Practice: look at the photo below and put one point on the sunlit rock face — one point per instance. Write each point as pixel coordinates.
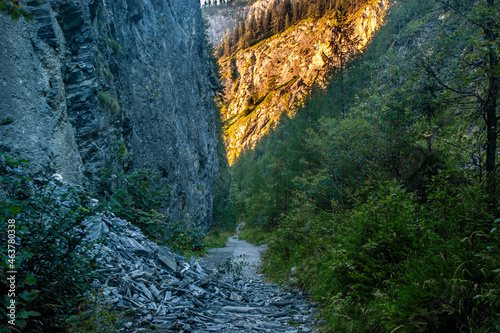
(269, 79)
(113, 84)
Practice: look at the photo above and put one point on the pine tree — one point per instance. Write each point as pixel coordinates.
(253, 30)
(275, 22)
(227, 44)
(249, 34)
(287, 21)
(266, 23)
(313, 10)
(236, 36)
(242, 42)
(295, 12)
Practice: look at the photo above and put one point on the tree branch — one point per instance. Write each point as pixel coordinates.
(446, 4)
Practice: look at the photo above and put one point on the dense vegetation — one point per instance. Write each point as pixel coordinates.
(277, 17)
(53, 271)
(381, 195)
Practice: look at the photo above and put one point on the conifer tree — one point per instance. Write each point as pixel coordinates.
(287, 21)
(236, 36)
(295, 12)
(227, 44)
(242, 42)
(312, 10)
(266, 23)
(275, 22)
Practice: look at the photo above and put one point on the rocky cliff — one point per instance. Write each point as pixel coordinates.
(273, 77)
(113, 84)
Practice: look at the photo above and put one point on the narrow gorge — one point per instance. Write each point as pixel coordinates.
(252, 166)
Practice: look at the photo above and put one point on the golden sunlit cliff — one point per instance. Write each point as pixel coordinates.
(264, 81)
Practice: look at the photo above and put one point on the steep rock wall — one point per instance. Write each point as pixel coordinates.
(113, 84)
(274, 76)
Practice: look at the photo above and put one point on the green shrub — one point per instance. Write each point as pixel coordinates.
(138, 197)
(392, 262)
(184, 238)
(114, 45)
(53, 270)
(108, 102)
(95, 315)
(15, 10)
(255, 235)
(217, 238)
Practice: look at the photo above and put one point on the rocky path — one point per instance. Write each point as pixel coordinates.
(237, 252)
(256, 306)
(173, 294)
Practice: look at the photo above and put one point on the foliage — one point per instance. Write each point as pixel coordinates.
(392, 262)
(389, 213)
(279, 16)
(114, 44)
(255, 236)
(107, 101)
(223, 216)
(95, 315)
(53, 270)
(217, 238)
(15, 9)
(184, 237)
(138, 197)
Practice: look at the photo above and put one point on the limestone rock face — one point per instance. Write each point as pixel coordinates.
(273, 77)
(113, 84)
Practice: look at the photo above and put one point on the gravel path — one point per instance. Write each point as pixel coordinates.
(239, 252)
(255, 306)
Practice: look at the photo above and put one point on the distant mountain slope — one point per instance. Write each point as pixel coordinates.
(273, 77)
(220, 18)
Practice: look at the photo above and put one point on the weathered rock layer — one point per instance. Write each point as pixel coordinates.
(113, 84)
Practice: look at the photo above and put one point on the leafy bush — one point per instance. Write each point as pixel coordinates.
(95, 315)
(15, 9)
(185, 238)
(53, 270)
(389, 214)
(138, 197)
(391, 262)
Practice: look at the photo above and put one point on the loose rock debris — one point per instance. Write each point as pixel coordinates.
(174, 294)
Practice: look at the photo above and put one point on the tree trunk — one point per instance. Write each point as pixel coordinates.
(490, 104)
